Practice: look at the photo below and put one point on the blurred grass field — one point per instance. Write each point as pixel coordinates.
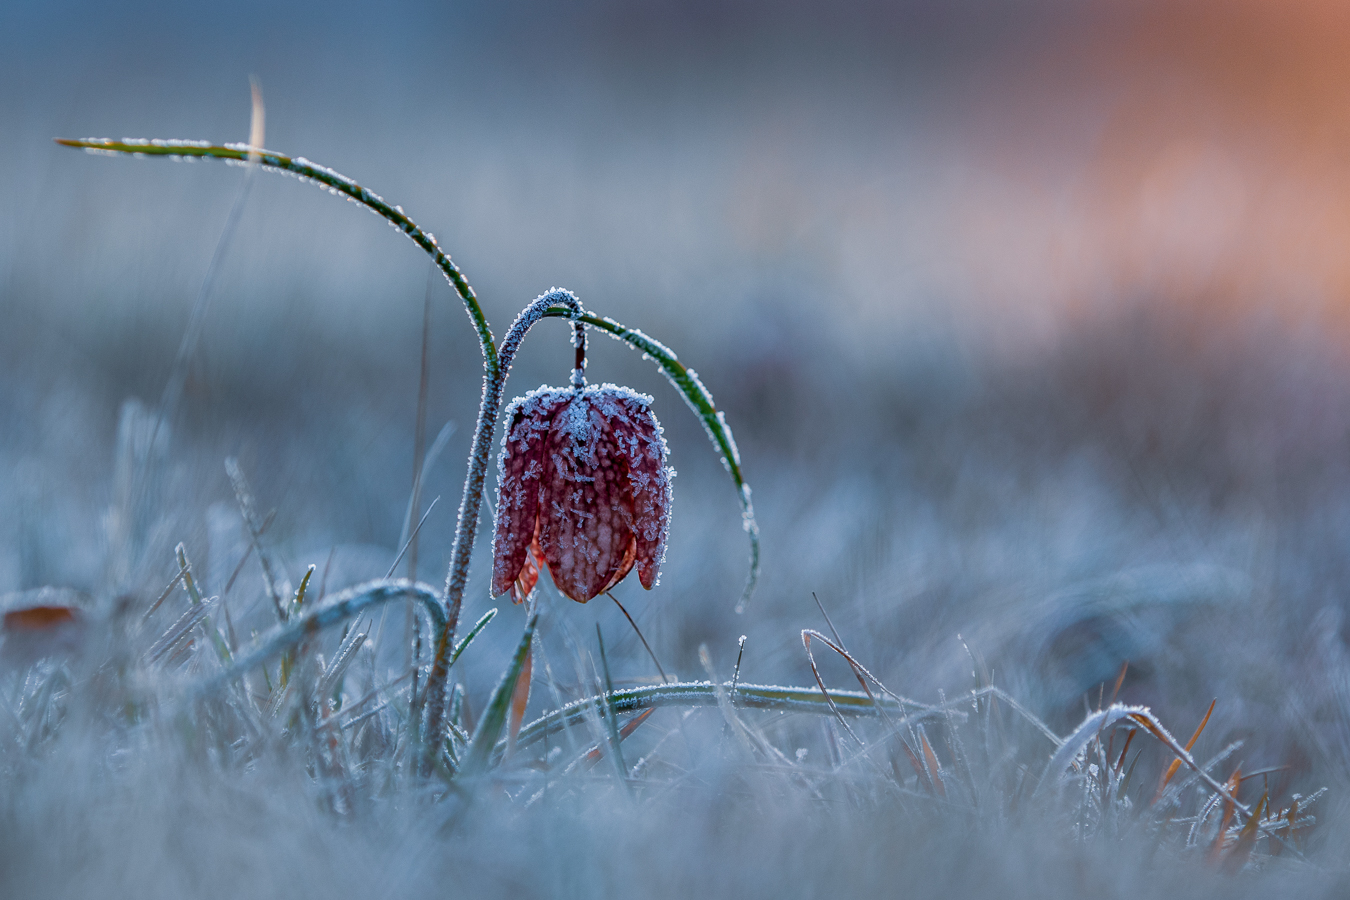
(1029, 320)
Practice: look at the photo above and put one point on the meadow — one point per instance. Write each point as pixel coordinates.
(1046, 481)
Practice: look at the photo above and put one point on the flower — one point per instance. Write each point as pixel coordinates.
(583, 489)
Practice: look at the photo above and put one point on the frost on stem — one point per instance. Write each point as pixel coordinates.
(583, 489)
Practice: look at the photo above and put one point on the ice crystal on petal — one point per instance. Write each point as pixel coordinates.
(583, 489)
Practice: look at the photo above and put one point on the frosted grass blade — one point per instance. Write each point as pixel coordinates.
(489, 728)
(305, 170)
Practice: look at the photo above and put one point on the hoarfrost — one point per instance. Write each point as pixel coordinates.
(594, 524)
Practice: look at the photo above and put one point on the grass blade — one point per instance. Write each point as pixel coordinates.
(1234, 781)
(308, 171)
(478, 626)
(1093, 725)
(177, 633)
(337, 608)
(593, 755)
(638, 632)
(479, 754)
(519, 700)
(248, 508)
(611, 720)
(1242, 850)
(1176, 763)
(931, 764)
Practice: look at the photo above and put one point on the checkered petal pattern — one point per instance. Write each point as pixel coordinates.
(583, 491)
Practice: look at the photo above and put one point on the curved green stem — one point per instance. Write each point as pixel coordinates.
(337, 608)
(471, 503)
(305, 170)
(855, 704)
(686, 381)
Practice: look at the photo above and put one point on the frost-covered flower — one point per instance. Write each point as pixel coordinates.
(583, 489)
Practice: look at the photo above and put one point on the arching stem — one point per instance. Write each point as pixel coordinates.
(494, 381)
(323, 176)
(686, 381)
(337, 608)
(579, 368)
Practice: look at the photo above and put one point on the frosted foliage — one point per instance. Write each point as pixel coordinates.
(583, 488)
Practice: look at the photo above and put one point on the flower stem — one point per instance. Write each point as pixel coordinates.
(686, 381)
(323, 176)
(471, 504)
(579, 368)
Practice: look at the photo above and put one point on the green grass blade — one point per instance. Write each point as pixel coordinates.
(305, 170)
(490, 726)
(686, 381)
(473, 633)
(854, 704)
(337, 608)
(611, 721)
(195, 595)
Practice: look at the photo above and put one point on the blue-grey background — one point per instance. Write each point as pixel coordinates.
(1028, 317)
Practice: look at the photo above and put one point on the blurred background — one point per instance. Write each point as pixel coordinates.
(1030, 320)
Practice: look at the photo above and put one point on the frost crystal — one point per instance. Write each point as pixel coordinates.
(583, 489)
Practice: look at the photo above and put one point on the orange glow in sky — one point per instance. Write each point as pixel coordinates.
(1218, 171)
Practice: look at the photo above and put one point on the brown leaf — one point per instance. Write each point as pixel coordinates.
(35, 632)
(1176, 763)
(1234, 782)
(520, 698)
(40, 618)
(934, 769)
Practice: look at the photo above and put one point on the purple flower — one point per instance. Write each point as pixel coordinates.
(583, 489)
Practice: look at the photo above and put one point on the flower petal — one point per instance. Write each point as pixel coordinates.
(625, 565)
(529, 572)
(649, 483)
(519, 470)
(585, 515)
(584, 490)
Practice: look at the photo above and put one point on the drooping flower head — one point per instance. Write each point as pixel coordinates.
(583, 489)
